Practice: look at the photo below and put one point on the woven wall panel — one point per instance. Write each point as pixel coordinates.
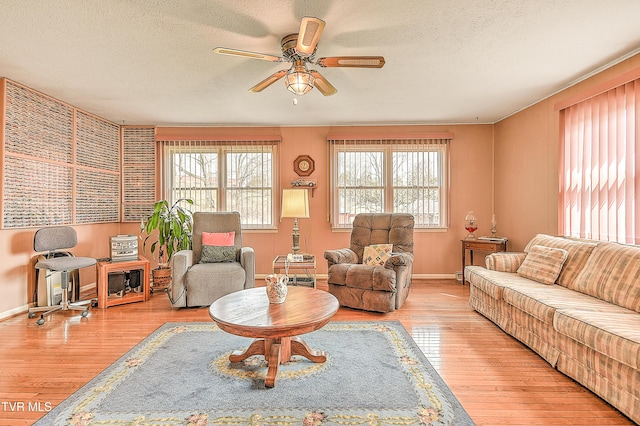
(37, 126)
(41, 163)
(98, 143)
(36, 193)
(97, 197)
(138, 173)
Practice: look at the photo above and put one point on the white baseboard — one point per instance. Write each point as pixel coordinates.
(24, 308)
(15, 311)
(414, 276)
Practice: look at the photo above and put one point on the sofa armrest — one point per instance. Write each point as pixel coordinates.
(181, 261)
(399, 259)
(344, 255)
(504, 261)
(248, 262)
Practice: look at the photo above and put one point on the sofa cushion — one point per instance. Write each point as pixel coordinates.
(612, 273)
(577, 253)
(541, 301)
(363, 277)
(610, 330)
(492, 282)
(218, 238)
(217, 254)
(543, 264)
(376, 254)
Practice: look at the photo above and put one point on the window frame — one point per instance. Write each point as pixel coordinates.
(388, 147)
(222, 149)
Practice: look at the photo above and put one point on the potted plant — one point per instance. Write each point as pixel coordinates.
(168, 229)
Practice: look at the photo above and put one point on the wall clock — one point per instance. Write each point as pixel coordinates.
(304, 165)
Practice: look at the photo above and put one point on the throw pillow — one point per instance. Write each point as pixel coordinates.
(376, 254)
(218, 238)
(543, 264)
(217, 254)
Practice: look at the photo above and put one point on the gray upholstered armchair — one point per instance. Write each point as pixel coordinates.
(200, 276)
(383, 287)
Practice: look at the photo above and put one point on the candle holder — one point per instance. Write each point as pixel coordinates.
(470, 225)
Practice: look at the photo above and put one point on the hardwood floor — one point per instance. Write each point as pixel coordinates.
(497, 379)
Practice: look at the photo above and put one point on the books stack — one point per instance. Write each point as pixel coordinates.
(493, 239)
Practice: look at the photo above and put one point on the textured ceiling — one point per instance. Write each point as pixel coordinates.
(447, 61)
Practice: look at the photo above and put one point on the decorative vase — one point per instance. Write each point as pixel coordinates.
(277, 287)
(470, 225)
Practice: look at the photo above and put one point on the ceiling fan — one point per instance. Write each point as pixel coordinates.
(300, 50)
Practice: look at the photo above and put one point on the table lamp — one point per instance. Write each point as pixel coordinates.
(295, 204)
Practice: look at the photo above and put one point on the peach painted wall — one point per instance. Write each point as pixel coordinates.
(526, 162)
(18, 257)
(437, 253)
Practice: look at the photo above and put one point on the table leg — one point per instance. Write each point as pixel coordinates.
(274, 361)
(300, 347)
(278, 351)
(464, 252)
(256, 348)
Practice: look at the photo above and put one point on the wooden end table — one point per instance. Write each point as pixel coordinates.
(490, 246)
(307, 268)
(275, 327)
(106, 266)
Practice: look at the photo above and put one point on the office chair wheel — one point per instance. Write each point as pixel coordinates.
(32, 315)
(85, 313)
(40, 321)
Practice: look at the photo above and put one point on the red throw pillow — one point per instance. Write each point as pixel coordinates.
(224, 239)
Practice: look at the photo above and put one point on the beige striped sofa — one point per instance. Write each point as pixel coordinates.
(585, 323)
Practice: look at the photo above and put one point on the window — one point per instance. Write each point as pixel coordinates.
(399, 176)
(224, 176)
(600, 165)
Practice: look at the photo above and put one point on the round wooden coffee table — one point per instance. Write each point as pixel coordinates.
(276, 327)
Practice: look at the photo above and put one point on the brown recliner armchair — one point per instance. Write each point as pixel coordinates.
(380, 288)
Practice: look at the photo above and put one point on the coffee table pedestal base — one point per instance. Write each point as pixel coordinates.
(278, 351)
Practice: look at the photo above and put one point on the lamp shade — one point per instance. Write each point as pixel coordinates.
(298, 79)
(295, 203)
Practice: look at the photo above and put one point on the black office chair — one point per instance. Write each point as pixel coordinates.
(50, 240)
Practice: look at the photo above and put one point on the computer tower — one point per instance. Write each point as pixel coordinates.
(49, 286)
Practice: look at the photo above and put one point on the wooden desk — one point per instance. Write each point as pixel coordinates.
(480, 245)
(106, 266)
(276, 327)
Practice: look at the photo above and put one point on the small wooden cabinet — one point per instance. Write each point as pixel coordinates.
(490, 246)
(106, 266)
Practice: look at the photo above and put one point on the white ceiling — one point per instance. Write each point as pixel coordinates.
(447, 61)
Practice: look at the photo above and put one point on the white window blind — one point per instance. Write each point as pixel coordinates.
(600, 166)
(389, 175)
(224, 176)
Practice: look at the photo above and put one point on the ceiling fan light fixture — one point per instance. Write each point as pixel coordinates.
(299, 80)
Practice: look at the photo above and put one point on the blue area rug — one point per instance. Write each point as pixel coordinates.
(180, 375)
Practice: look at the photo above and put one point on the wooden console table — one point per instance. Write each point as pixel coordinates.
(490, 246)
(106, 266)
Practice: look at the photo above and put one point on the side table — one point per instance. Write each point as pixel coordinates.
(107, 266)
(306, 270)
(489, 245)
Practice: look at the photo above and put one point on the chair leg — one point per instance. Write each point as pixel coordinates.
(64, 305)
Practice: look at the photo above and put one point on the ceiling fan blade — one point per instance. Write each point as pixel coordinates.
(310, 31)
(322, 84)
(268, 81)
(245, 54)
(352, 61)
